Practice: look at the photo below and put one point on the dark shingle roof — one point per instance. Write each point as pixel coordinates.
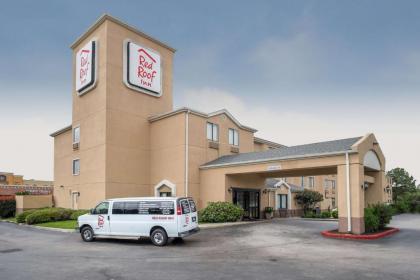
(321, 148)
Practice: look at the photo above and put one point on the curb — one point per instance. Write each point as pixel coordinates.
(388, 232)
(221, 225)
(320, 219)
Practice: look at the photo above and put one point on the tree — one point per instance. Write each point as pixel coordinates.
(308, 199)
(402, 182)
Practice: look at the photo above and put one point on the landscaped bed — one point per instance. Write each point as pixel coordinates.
(376, 219)
(364, 236)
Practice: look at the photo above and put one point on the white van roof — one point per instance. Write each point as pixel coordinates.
(146, 198)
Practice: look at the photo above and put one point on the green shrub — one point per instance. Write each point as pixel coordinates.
(309, 214)
(326, 215)
(7, 208)
(220, 212)
(384, 213)
(48, 215)
(407, 203)
(334, 214)
(77, 213)
(371, 220)
(377, 217)
(23, 193)
(268, 210)
(21, 218)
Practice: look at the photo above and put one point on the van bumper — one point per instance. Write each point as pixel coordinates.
(187, 233)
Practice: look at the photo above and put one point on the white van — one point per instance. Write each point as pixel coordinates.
(159, 218)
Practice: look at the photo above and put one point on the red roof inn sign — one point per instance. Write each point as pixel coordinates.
(142, 69)
(86, 67)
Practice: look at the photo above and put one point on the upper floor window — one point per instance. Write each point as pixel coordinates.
(76, 166)
(311, 182)
(302, 181)
(233, 137)
(212, 132)
(76, 134)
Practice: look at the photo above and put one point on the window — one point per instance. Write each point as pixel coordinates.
(76, 167)
(233, 137)
(185, 206)
(302, 181)
(282, 201)
(76, 134)
(333, 184)
(333, 202)
(131, 208)
(156, 208)
(212, 132)
(311, 182)
(102, 208)
(192, 205)
(143, 208)
(165, 194)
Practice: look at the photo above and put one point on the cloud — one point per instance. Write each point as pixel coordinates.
(287, 124)
(291, 59)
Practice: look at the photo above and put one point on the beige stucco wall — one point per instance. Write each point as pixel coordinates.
(25, 202)
(127, 127)
(168, 152)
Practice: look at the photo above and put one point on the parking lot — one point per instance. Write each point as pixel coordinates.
(279, 249)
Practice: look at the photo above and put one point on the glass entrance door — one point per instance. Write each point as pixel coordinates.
(249, 200)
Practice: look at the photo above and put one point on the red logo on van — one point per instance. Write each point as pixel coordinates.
(146, 70)
(101, 221)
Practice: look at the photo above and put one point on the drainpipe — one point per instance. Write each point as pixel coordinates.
(186, 151)
(348, 192)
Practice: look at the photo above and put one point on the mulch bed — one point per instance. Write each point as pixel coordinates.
(364, 236)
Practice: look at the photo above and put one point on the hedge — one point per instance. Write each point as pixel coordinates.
(220, 212)
(377, 217)
(7, 208)
(49, 215)
(21, 218)
(77, 213)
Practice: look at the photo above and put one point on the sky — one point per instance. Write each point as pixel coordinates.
(298, 71)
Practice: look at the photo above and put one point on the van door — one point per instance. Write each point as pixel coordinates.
(184, 215)
(194, 215)
(100, 219)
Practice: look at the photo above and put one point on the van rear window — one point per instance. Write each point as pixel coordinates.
(185, 206)
(192, 205)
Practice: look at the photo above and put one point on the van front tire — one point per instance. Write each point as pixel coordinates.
(87, 234)
(159, 237)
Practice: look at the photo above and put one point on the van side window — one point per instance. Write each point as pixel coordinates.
(102, 208)
(185, 206)
(157, 208)
(131, 208)
(118, 208)
(192, 205)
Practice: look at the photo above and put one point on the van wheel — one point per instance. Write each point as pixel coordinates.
(159, 237)
(87, 234)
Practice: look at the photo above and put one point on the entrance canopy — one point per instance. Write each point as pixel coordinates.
(345, 157)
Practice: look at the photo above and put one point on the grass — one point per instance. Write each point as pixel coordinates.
(69, 224)
(11, 219)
